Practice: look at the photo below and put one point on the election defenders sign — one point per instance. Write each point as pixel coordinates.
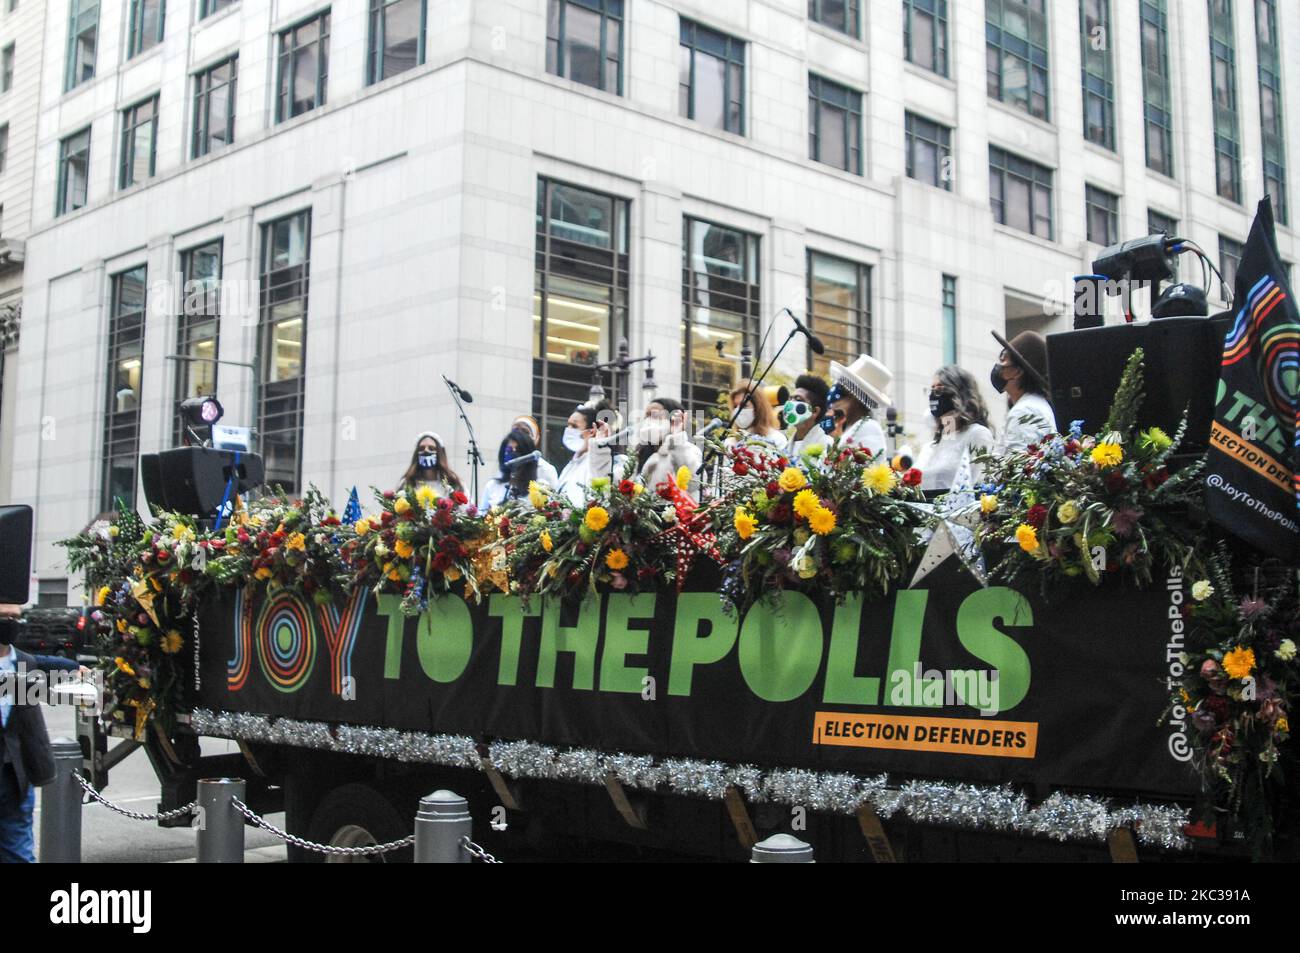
(950, 681)
(1251, 473)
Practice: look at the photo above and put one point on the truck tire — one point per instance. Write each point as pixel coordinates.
(356, 815)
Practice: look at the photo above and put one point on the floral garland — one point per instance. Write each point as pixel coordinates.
(1098, 506)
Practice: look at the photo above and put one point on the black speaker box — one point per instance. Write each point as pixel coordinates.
(15, 554)
(193, 479)
(1182, 358)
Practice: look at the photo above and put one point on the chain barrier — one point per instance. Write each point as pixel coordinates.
(305, 844)
(477, 852)
(134, 815)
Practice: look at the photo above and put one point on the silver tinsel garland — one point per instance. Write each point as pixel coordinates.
(1062, 817)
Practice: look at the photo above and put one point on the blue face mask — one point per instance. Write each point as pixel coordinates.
(508, 454)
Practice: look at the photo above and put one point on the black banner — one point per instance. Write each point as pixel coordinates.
(949, 681)
(1251, 472)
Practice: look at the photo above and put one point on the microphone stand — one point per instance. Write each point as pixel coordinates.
(475, 458)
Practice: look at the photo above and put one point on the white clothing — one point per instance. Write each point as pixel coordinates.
(1029, 420)
(813, 438)
(497, 490)
(938, 462)
(575, 479)
(674, 453)
(866, 435)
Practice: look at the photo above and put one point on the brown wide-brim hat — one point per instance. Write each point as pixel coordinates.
(1029, 350)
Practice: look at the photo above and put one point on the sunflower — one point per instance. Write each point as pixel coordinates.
(988, 503)
(821, 520)
(172, 642)
(791, 479)
(425, 495)
(616, 559)
(879, 478)
(597, 518)
(805, 501)
(1107, 454)
(1027, 537)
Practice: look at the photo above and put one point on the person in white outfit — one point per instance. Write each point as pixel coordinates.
(662, 446)
(857, 392)
(1021, 374)
(961, 427)
(511, 482)
(809, 396)
(588, 435)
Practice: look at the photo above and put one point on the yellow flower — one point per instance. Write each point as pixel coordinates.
(123, 665)
(263, 573)
(121, 625)
(791, 479)
(1067, 512)
(821, 520)
(683, 477)
(102, 595)
(1282, 725)
(546, 542)
(879, 478)
(637, 489)
(1027, 537)
(172, 642)
(1239, 662)
(404, 549)
(988, 503)
(536, 494)
(361, 527)
(425, 495)
(1107, 454)
(744, 523)
(805, 501)
(597, 518)
(181, 531)
(616, 559)
(452, 574)
(297, 541)
(395, 576)
(402, 505)
(156, 583)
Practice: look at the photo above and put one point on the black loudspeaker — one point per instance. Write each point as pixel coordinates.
(151, 478)
(193, 479)
(15, 554)
(1182, 362)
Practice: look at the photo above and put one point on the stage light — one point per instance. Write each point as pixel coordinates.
(201, 411)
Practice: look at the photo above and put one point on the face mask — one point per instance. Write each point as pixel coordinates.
(428, 461)
(827, 424)
(941, 404)
(745, 419)
(653, 430)
(508, 454)
(795, 412)
(999, 384)
(573, 439)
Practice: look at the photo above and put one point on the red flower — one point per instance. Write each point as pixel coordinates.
(739, 468)
(1036, 516)
(627, 487)
(503, 526)
(665, 491)
(782, 462)
(1032, 448)
(242, 535)
(442, 562)
(780, 513)
(386, 517)
(389, 494)
(912, 477)
(443, 519)
(1115, 481)
(330, 521)
(163, 555)
(460, 498)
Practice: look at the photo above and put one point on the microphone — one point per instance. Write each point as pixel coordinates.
(711, 426)
(526, 458)
(814, 341)
(465, 395)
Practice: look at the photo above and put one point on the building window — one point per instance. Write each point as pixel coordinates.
(214, 108)
(122, 414)
(580, 298)
(1098, 73)
(839, 15)
(584, 42)
(139, 143)
(925, 34)
(7, 68)
(1021, 193)
(834, 124)
(1157, 97)
(1272, 135)
(720, 302)
(304, 66)
(1016, 53)
(209, 7)
(949, 319)
(1158, 223)
(839, 309)
(711, 78)
(1230, 253)
(4, 146)
(11, 6)
(1103, 216)
(929, 152)
(396, 37)
(282, 336)
(74, 167)
(83, 37)
(198, 326)
(51, 593)
(146, 26)
(1227, 140)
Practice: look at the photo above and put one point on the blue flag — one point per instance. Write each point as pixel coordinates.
(352, 512)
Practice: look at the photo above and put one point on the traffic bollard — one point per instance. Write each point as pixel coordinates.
(781, 849)
(441, 824)
(221, 827)
(61, 806)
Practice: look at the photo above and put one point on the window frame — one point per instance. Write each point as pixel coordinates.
(863, 324)
(942, 146)
(1035, 56)
(1226, 252)
(1272, 141)
(128, 141)
(937, 11)
(209, 8)
(136, 40)
(1226, 146)
(201, 100)
(1005, 163)
(116, 421)
(852, 109)
(188, 321)
(66, 157)
(853, 11)
(78, 10)
(286, 55)
(603, 9)
(375, 49)
(731, 45)
(1157, 82)
(948, 315)
(1108, 203)
(8, 65)
(1100, 87)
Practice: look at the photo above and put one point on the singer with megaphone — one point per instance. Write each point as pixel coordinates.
(520, 463)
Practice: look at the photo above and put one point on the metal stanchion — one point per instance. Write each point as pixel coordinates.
(781, 849)
(61, 806)
(441, 825)
(221, 826)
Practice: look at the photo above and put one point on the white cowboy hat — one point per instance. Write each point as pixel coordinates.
(866, 379)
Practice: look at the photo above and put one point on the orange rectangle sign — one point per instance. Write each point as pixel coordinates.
(979, 736)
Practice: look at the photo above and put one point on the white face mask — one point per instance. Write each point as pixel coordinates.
(653, 430)
(745, 419)
(573, 439)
